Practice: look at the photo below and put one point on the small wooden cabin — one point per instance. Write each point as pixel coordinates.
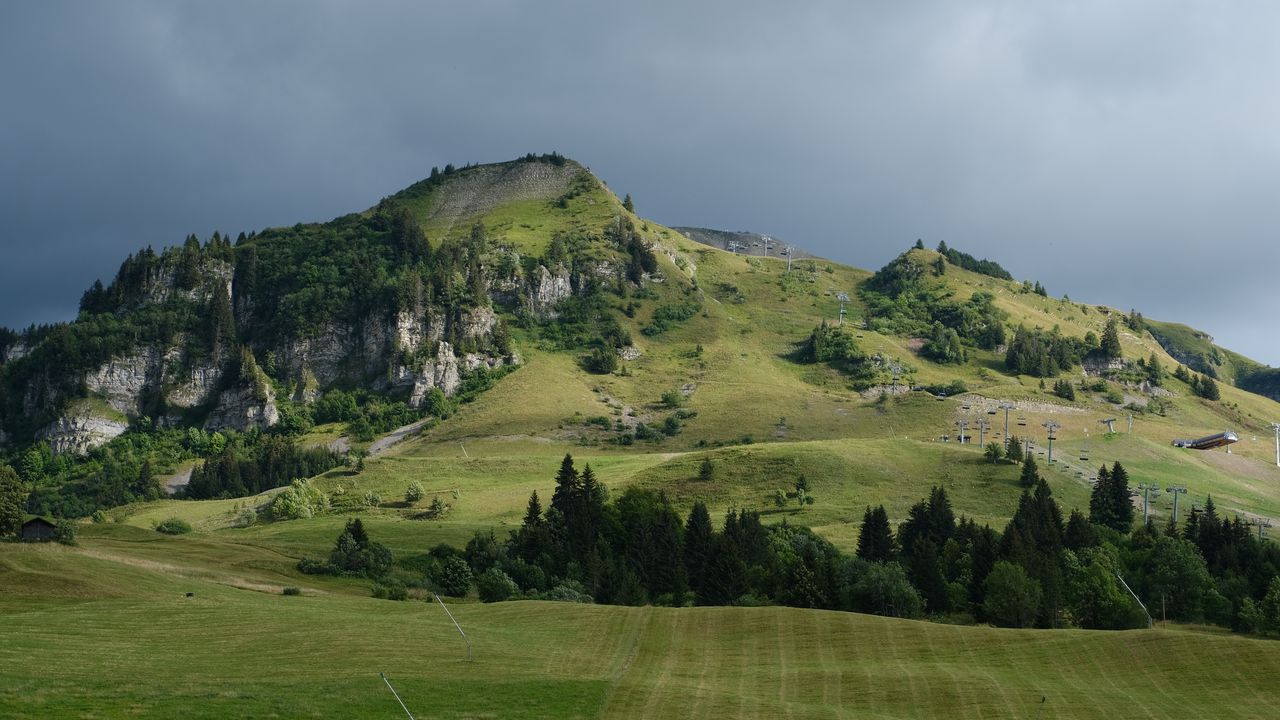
(37, 529)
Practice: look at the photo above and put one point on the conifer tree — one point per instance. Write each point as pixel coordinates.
(1030, 472)
(697, 546)
(1013, 448)
(12, 496)
(875, 538)
(1110, 344)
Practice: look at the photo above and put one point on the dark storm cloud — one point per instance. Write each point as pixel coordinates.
(1122, 152)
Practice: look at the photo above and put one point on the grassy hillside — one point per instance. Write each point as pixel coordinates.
(115, 635)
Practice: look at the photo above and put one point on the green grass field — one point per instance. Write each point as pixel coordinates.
(116, 637)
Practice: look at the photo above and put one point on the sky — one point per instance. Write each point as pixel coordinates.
(1126, 154)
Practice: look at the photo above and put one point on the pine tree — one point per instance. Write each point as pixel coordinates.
(1030, 472)
(1100, 510)
(1080, 533)
(875, 538)
(627, 204)
(925, 571)
(706, 471)
(697, 546)
(1110, 344)
(1123, 507)
(566, 493)
(1013, 448)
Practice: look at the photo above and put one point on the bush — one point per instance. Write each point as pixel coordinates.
(311, 566)
(568, 591)
(65, 532)
(414, 492)
(493, 585)
(372, 499)
(301, 500)
(452, 577)
(173, 526)
(291, 590)
(390, 589)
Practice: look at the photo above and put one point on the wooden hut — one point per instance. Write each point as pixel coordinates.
(38, 530)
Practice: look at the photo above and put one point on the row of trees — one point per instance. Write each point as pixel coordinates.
(251, 464)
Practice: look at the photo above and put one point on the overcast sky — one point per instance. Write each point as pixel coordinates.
(1124, 153)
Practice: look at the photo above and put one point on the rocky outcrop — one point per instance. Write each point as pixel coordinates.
(1101, 366)
(546, 290)
(475, 191)
(443, 371)
(79, 432)
(245, 406)
(196, 386)
(124, 381)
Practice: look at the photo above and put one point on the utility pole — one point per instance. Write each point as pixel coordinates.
(1176, 490)
(1276, 426)
(1052, 427)
(1007, 406)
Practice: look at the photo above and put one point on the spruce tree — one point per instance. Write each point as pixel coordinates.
(1030, 472)
(1013, 448)
(1110, 345)
(1080, 533)
(875, 538)
(1122, 506)
(697, 546)
(1100, 510)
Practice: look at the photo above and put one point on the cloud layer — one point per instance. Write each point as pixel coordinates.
(1124, 153)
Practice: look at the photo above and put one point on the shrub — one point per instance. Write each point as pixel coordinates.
(414, 492)
(291, 590)
(372, 499)
(173, 526)
(390, 589)
(452, 577)
(65, 532)
(493, 585)
(301, 500)
(672, 399)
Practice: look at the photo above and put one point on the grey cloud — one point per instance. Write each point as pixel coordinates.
(1123, 153)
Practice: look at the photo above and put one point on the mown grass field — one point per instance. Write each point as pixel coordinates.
(90, 634)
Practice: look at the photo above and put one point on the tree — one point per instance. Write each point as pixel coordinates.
(12, 496)
(627, 204)
(453, 577)
(883, 589)
(1109, 347)
(875, 538)
(493, 585)
(1094, 597)
(993, 452)
(1012, 598)
(1206, 388)
(919, 244)
(1030, 472)
(1109, 503)
(1064, 389)
(1013, 448)
(697, 545)
(1080, 534)
(706, 471)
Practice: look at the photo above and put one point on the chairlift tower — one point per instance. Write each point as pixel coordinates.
(1052, 426)
(983, 424)
(843, 297)
(790, 252)
(1147, 489)
(1263, 524)
(964, 428)
(1111, 425)
(1007, 406)
(895, 369)
(1130, 423)
(1176, 490)
(1276, 426)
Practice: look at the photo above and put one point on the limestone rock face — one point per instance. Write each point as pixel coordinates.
(546, 290)
(123, 381)
(80, 432)
(195, 387)
(244, 407)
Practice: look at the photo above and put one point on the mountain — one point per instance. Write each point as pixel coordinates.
(523, 300)
(500, 383)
